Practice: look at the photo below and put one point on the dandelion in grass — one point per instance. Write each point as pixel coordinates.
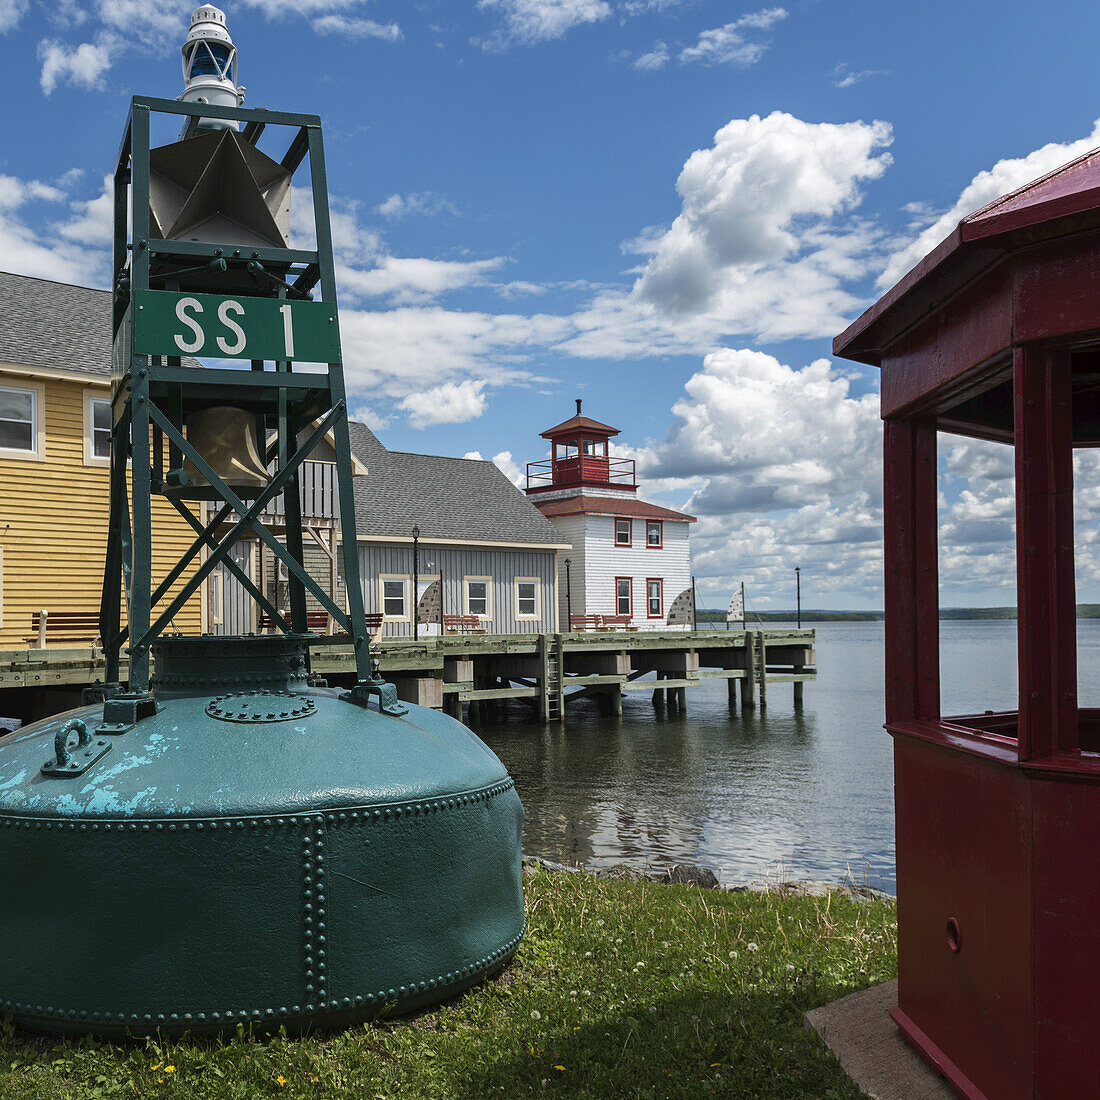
(752, 947)
(535, 1014)
(561, 1068)
(280, 1080)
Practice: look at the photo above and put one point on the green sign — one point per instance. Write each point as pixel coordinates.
(219, 326)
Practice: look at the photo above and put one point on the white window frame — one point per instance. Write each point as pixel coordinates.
(629, 532)
(660, 543)
(525, 616)
(488, 615)
(37, 453)
(406, 580)
(216, 597)
(660, 583)
(629, 596)
(91, 395)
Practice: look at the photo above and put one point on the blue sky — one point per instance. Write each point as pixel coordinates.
(665, 207)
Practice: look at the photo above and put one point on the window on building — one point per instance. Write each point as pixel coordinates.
(101, 428)
(527, 598)
(595, 448)
(479, 599)
(624, 596)
(567, 450)
(654, 535)
(394, 596)
(215, 589)
(655, 603)
(97, 428)
(18, 419)
(622, 532)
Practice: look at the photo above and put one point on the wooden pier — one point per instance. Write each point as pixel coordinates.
(549, 671)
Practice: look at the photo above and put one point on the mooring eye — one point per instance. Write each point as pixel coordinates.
(954, 936)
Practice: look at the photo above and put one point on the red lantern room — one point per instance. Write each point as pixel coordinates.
(579, 458)
(995, 334)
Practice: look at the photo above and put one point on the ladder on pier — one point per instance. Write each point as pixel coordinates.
(760, 665)
(553, 685)
(551, 671)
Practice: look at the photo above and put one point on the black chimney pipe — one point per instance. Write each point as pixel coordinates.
(578, 400)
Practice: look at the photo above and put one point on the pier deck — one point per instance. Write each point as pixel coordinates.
(547, 670)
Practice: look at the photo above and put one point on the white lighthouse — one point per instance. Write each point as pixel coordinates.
(210, 66)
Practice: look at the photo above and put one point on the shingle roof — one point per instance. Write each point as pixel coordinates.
(54, 325)
(610, 506)
(450, 498)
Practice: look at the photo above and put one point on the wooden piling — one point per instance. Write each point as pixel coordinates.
(748, 681)
(763, 670)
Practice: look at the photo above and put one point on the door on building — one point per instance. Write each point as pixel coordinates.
(229, 608)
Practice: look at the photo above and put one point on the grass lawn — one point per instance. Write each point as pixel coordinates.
(619, 989)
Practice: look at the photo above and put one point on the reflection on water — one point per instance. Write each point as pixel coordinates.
(806, 795)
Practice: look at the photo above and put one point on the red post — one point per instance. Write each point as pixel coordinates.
(1044, 552)
(912, 576)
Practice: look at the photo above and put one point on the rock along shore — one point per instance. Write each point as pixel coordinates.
(686, 874)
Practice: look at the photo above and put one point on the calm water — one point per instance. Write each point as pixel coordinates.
(808, 795)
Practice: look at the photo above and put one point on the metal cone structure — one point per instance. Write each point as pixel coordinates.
(227, 840)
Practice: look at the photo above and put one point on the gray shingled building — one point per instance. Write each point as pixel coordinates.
(484, 548)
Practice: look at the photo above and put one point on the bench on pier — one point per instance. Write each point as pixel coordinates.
(462, 624)
(615, 622)
(63, 626)
(317, 622)
(600, 622)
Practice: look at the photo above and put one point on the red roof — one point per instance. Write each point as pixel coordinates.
(608, 506)
(1065, 200)
(580, 423)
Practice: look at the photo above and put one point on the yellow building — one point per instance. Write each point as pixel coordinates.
(55, 356)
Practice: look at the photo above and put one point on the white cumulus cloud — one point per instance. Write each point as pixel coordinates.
(351, 27)
(1005, 176)
(84, 65)
(728, 45)
(506, 464)
(450, 403)
(530, 21)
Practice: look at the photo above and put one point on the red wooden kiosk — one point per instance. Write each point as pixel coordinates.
(996, 334)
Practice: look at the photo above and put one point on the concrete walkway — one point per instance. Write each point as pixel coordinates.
(867, 1043)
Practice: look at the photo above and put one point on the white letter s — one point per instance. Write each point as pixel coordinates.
(223, 315)
(182, 306)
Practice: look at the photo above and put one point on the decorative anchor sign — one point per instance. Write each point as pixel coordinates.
(169, 323)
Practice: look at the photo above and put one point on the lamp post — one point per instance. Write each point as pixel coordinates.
(416, 579)
(798, 592)
(568, 598)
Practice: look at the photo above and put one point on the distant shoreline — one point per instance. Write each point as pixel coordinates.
(1084, 611)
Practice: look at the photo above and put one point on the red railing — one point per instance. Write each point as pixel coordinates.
(581, 470)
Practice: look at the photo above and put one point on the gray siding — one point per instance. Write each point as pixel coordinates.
(455, 563)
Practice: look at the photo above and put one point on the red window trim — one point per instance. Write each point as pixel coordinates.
(629, 581)
(661, 582)
(660, 530)
(629, 530)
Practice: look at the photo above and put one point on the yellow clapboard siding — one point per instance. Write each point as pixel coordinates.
(53, 523)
